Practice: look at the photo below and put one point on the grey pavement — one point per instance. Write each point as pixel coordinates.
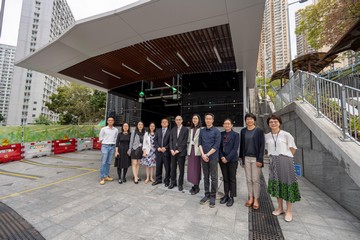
(67, 202)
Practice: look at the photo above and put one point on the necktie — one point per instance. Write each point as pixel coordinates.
(162, 138)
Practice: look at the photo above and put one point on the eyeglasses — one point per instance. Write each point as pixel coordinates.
(275, 121)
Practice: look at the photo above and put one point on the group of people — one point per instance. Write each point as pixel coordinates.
(205, 148)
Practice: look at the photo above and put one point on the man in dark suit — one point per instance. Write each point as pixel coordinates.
(162, 142)
(178, 150)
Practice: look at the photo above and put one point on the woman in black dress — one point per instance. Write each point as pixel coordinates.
(122, 160)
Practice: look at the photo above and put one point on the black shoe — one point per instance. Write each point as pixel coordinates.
(156, 183)
(120, 181)
(192, 190)
(224, 199)
(124, 180)
(196, 190)
(230, 202)
(181, 188)
(166, 184)
(212, 202)
(139, 179)
(204, 200)
(172, 186)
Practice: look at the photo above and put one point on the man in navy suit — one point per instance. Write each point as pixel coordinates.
(162, 146)
(178, 150)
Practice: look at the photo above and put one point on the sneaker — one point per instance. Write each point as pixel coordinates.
(204, 200)
(212, 202)
(102, 181)
(108, 179)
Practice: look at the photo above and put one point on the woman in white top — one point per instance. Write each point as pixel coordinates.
(282, 180)
(148, 159)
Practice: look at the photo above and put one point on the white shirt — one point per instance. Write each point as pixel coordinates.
(279, 144)
(108, 135)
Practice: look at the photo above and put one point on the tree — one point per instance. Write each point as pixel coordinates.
(42, 120)
(77, 104)
(1, 118)
(325, 22)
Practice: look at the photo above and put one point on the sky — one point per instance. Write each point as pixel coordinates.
(86, 8)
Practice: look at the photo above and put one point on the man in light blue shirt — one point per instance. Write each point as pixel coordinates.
(107, 138)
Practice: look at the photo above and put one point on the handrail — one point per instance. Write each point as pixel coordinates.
(338, 103)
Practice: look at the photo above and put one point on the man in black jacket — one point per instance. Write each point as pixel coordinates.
(178, 150)
(162, 146)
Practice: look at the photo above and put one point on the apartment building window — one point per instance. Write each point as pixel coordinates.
(33, 115)
(34, 109)
(35, 102)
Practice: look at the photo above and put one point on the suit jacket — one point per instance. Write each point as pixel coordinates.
(196, 142)
(230, 149)
(166, 141)
(179, 142)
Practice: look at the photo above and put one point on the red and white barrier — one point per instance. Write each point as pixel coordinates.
(37, 149)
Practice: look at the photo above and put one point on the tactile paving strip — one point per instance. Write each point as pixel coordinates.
(14, 227)
(262, 224)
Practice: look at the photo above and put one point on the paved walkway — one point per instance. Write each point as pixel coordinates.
(60, 196)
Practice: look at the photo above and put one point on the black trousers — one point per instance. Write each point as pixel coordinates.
(229, 176)
(210, 170)
(175, 161)
(162, 160)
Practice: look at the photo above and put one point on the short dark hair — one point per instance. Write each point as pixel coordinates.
(250, 115)
(110, 117)
(166, 120)
(192, 124)
(209, 114)
(122, 127)
(230, 120)
(274, 117)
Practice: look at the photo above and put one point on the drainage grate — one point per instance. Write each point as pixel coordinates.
(262, 224)
(13, 226)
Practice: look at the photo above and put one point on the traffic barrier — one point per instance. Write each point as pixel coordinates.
(84, 144)
(96, 144)
(64, 146)
(11, 152)
(37, 149)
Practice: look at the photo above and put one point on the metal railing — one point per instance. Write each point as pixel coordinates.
(339, 103)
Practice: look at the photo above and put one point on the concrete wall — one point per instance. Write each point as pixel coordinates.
(328, 163)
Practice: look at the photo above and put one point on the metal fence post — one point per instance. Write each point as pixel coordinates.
(302, 85)
(344, 122)
(318, 94)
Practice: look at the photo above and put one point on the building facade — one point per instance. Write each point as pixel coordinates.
(41, 21)
(7, 57)
(302, 46)
(274, 48)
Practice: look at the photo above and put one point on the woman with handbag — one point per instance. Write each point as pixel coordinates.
(122, 159)
(194, 155)
(135, 149)
(148, 159)
(282, 178)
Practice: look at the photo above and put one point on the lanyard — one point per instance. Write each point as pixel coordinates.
(275, 140)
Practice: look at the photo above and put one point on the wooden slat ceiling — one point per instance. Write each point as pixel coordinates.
(196, 47)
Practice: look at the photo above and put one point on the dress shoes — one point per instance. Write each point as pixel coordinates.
(181, 188)
(224, 199)
(172, 186)
(120, 181)
(204, 200)
(196, 190)
(124, 180)
(230, 202)
(166, 184)
(156, 183)
(212, 202)
(192, 190)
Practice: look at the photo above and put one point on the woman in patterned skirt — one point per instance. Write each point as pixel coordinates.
(148, 159)
(282, 180)
(194, 155)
